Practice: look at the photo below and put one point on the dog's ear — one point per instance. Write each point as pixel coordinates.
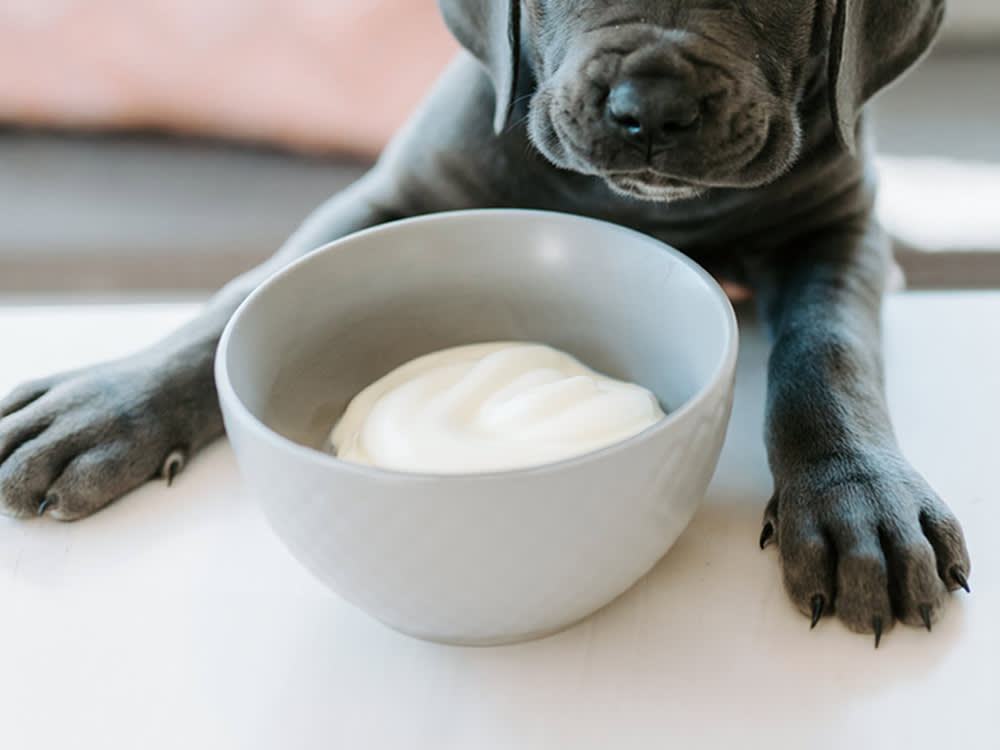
(872, 43)
(490, 30)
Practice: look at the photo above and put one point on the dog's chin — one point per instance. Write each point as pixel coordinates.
(650, 186)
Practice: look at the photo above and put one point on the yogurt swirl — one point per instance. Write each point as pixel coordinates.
(489, 407)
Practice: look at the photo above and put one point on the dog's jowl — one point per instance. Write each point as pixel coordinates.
(732, 130)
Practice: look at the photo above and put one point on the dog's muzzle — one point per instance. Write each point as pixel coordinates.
(663, 118)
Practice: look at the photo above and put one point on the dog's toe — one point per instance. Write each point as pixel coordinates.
(31, 456)
(863, 601)
(23, 395)
(92, 480)
(944, 534)
(916, 590)
(808, 564)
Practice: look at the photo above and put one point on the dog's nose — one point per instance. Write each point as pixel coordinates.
(650, 108)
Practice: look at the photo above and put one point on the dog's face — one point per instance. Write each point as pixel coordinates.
(664, 99)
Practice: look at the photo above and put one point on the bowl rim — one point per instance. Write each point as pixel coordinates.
(227, 392)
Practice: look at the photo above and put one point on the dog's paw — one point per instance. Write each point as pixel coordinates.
(866, 538)
(72, 443)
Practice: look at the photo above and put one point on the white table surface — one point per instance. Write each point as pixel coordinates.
(175, 619)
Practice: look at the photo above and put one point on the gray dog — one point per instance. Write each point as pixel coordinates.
(728, 128)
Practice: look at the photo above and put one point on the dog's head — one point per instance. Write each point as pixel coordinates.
(664, 98)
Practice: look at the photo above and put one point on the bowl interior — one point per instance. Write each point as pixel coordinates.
(324, 328)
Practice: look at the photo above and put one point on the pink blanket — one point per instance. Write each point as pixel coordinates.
(307, 74)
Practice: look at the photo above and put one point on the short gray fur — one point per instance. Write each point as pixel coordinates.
(757, 166)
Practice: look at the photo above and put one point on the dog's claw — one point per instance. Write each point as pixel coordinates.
(49, 500)
(925, 615)
(877, 627)
(818, 603)
(172, 465)
(766, 534)
(959, 577)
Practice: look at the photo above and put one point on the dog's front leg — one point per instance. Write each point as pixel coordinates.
(859, 531)
(72, 443)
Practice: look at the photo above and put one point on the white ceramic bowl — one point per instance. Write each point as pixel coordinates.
(479, 558)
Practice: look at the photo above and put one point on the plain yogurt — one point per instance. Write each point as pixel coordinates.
(489, 407)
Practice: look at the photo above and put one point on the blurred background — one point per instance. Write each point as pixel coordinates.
(167, 145)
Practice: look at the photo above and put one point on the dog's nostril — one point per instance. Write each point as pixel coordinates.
(626, 109)
(651, 107)
(631, 125)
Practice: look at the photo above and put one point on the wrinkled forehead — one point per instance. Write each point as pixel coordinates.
(786, 26)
